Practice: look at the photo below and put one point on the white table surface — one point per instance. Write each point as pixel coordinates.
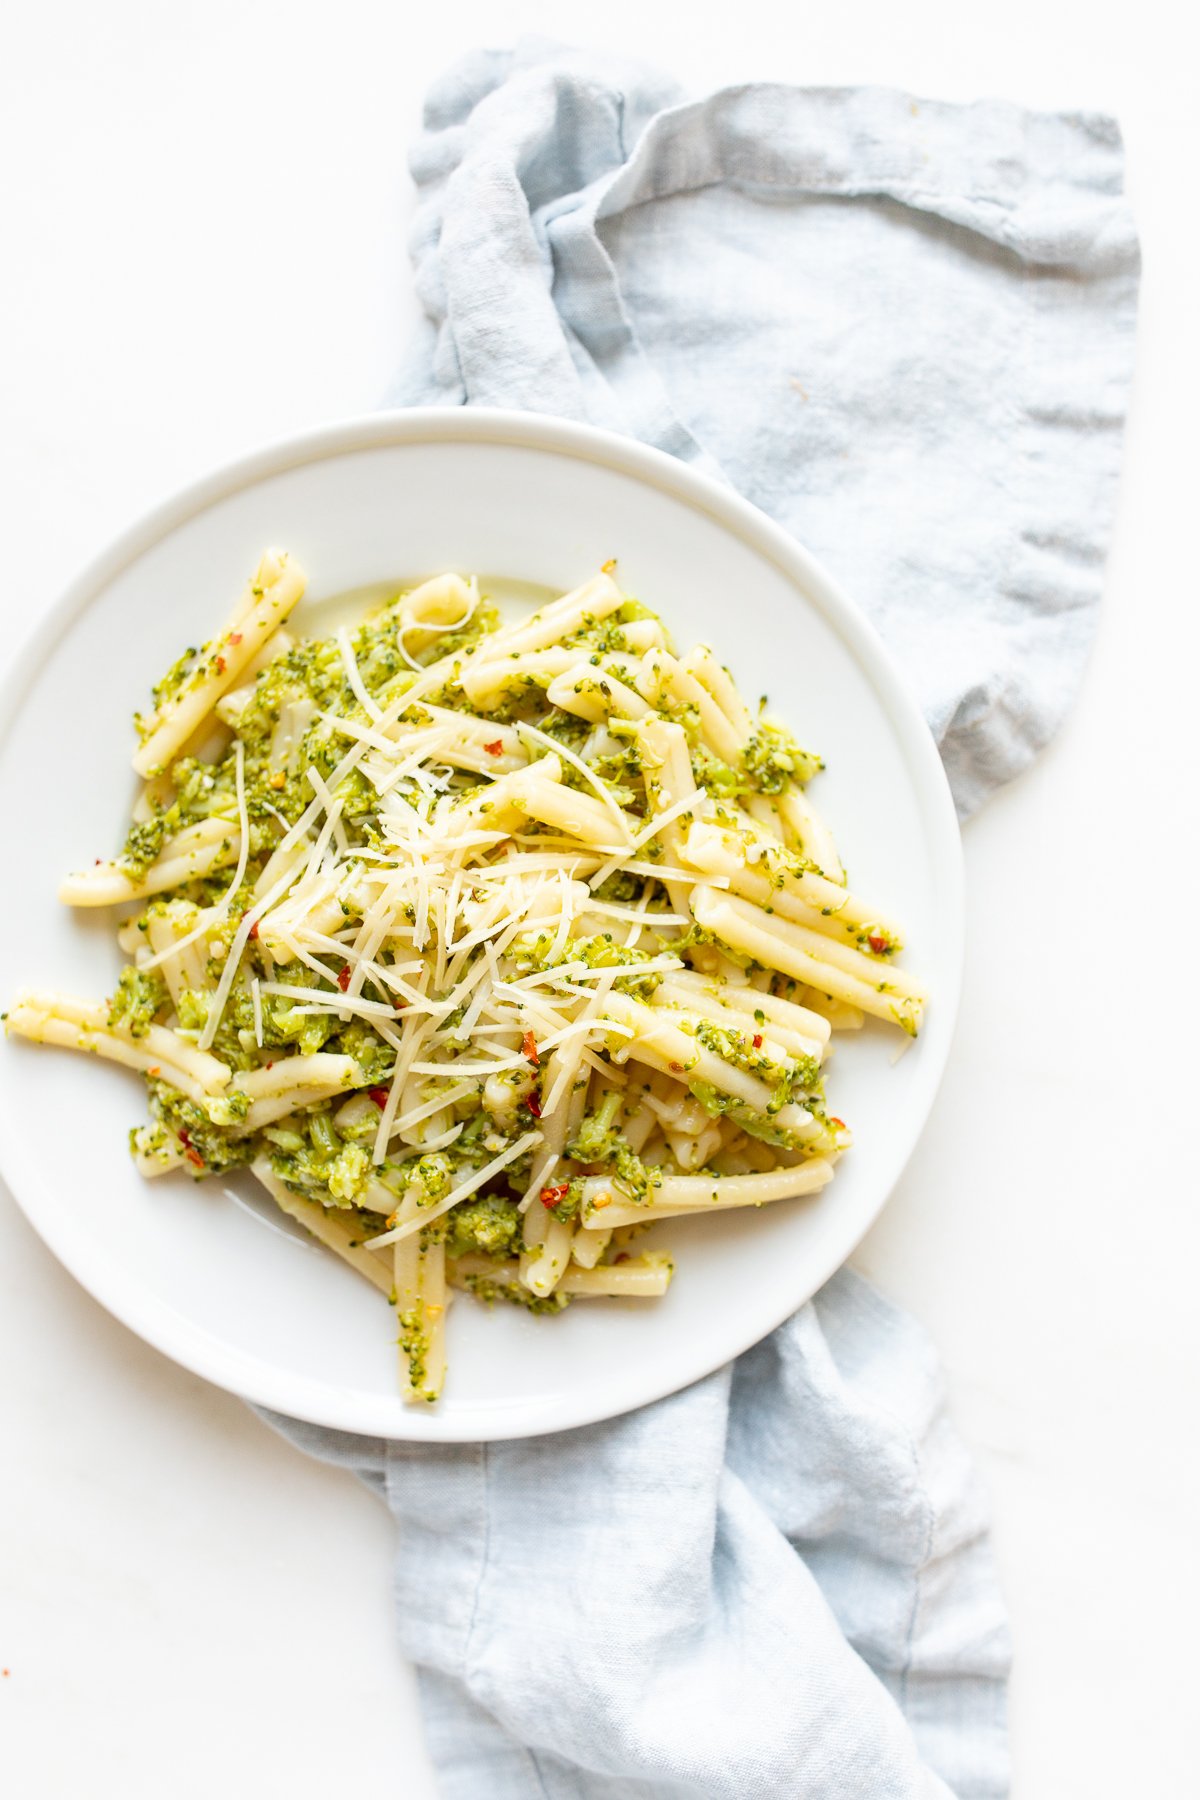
(203, 212)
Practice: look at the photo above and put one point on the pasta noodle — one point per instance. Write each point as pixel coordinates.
(484, 945)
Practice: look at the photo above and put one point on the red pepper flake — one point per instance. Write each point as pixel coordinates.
(99, 860)
(550, 1196)
(154, 1070)
(877, 943)
(840, 1123)
(343, 979)
(495, 748)
(220, 665)
(529, 1049)
(189, 1150)
(235, 637)
(5, 1673)
(623, 1257)
(756, 1040)
(253, 932)
(270, 1065)
(379, 1096)
(675, 1068)
(534, 1105)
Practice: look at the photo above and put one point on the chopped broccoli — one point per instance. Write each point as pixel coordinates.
(599, 1141)
(487, 1227)
(140, 996)
(773, 758)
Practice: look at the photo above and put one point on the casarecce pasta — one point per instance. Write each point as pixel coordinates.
(484, 943)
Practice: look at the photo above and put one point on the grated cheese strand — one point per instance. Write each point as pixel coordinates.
(431, 919)
(463, 1191)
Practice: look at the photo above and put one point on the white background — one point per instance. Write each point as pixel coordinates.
(204, 211)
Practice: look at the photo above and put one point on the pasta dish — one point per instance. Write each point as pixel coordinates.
(485, 943)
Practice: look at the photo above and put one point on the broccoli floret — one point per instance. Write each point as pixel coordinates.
(773, 758)
(434, 1173)
(349, 1173)
(599, 1141)
(375, 1058)
(532, 950)
(284, 1022)
(143, 843)
(621, 889)
(596, 1140)
(228, 1109)
(323, 1160)
(608, 635)
(140, 996)
(633, 1176)
(357, 794)
(208, 1147)
(487, 1227)
(567, 1207)
(716, 777)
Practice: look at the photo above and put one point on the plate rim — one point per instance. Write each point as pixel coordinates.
(331, 1404)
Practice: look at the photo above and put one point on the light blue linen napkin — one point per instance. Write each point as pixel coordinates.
(905, 329)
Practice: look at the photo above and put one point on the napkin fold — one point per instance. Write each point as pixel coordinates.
(904, 329)
(776, 1585)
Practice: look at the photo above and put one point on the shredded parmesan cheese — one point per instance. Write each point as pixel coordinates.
(425, 997)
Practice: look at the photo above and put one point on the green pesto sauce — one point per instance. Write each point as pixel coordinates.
(331, 1164)
(140, 996)
(515, 1294)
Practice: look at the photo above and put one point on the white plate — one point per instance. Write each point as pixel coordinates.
(213, 1279)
